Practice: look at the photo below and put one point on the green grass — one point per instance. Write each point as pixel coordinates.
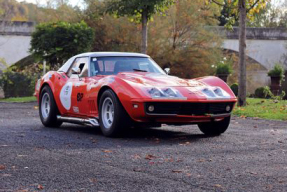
(19, 99)
(263, 108)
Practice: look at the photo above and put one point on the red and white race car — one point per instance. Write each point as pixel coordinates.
(119, 90)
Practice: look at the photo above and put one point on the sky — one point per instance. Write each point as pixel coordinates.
(43, 2)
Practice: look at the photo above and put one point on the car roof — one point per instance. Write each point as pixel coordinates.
(111, 54)
(67, 65)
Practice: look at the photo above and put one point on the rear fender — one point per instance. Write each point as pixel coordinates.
(55, 81)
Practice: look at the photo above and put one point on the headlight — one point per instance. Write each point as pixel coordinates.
(168, 93)
(215, 93)
(155, 92)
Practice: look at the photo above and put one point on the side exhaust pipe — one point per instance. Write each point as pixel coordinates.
(90, 121)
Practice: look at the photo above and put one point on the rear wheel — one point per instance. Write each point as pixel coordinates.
(113, 117)
(215, 128)
(48, 109)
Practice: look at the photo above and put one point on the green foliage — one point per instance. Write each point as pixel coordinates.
(17, 84)
(224, 67)
(57, 42)
(234, 88)
(277, 71)
(263, 108)
(230, 12)
(135, 8)
(19, 99)
(19, 79)
(263, 92)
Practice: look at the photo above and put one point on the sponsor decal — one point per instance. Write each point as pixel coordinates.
(80, 97)
(76, 109)
(65, 95)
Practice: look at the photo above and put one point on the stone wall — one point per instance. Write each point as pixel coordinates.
(21, 28)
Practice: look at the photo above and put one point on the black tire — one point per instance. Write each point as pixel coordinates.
(51, 117)
(121, 120)
(215, 128)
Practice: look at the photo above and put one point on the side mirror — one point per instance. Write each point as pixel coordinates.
(76, 71)
(167, 70)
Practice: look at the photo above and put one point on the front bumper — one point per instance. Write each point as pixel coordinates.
(180, 112)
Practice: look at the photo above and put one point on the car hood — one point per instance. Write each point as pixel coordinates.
(158, 80)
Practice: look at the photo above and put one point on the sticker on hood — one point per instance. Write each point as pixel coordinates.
(65, 95)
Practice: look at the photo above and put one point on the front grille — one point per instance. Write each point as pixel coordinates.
(184, 108)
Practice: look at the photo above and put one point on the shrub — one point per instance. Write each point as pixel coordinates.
(263, 92)
(223, 68)
(277, 71)
(57, 42)
(234, 88)
(17, 84)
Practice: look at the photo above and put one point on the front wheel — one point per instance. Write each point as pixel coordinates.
(215, 128)
(48, 109)
(112, 116)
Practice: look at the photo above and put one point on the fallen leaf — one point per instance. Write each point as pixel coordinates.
(107, 151)
(177, 171)
(40, 187)
(22, 155)
(2, 167)
(255, 126)
(201, 160)
(136, 156)
(188, 174)
(137, 170)
(150, 157)
(93, 180)
(36, 107)
(217, 185)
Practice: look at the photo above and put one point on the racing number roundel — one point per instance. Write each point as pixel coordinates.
(65, 95)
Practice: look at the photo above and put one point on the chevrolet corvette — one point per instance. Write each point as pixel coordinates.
(115, 91)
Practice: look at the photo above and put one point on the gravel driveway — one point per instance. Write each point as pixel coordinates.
(250, 156)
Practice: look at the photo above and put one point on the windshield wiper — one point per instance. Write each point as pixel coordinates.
(139, 70)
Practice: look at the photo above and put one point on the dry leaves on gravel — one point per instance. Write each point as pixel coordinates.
(150, 157)
(107, 151)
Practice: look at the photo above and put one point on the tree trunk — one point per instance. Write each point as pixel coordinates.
(144, 31)
(242, 53)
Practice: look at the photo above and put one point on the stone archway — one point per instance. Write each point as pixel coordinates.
(256, 72)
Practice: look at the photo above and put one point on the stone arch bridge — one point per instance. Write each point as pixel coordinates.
(15, 40)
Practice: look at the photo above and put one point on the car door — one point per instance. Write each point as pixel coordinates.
(73, 93)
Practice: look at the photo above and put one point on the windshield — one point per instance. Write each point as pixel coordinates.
(115, 65)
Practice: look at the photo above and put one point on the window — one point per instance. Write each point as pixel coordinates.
(82, 64)
(115, 65)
